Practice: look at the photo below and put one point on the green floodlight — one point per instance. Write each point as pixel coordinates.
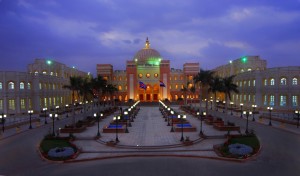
(244, 59)
(49, 62)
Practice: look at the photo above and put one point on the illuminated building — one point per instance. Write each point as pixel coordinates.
(148, 66)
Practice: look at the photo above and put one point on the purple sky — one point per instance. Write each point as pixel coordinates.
(86, 32)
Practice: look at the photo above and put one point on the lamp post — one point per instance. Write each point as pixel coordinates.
(169, 109)
(30, 112)
(241, 109)
(224, 102)
(231, 104)
(57, 107)
(2, 117)
(247, 113)
(217, 101)
(126, 118)
(201, 120)
(254, 107)
(98, 120)
(45, 114)
(53, 116)
(130, 117)
(181, 117)
(172, 128)
(298, 118)
(211, 104)
(116, 119)
(67, 106)
(270, 112)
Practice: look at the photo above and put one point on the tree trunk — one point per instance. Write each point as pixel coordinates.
(73, 108)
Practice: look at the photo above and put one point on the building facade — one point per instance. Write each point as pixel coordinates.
(148, 66)
(277, 87)
(40, 87)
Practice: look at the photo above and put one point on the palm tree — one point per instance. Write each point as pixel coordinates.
(216, 85)
(110, 89)
(204, 78)
(86, 90)
(228, 87)
(98, 84)
(74, 86)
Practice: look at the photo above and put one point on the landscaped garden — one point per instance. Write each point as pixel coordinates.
(241, 146)
(58, 148)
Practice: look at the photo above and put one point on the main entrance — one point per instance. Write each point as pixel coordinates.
(150, 94)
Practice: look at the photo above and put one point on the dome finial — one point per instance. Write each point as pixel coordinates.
(147, 45)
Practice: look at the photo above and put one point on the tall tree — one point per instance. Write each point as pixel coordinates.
(204, 79)
(98, 85)
(111, 90)
(86, 91)
(216, 85)
(228, 87)
(74, 86)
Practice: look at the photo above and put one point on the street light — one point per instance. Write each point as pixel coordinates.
(211, 102)
(45, 111)
(247, 113)
(30, 112)
(57, 107)
(116, 119)
(254, 107)
(169, 109)
(53, 116)
(2, 117)
(224, 102)
(201, 120)
(181, 117)
(298, 114)
(67, 106)
(126, 118)
(270, 112)
(217, 101)
(98, 119)
(172, 128)
(231, 104)
(241, 109)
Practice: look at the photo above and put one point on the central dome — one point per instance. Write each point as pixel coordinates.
(147, 54)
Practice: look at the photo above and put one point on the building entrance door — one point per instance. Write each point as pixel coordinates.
(148, 98)
(141, 97)
(155, 97)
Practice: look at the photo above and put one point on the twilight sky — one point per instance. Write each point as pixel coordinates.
(86, 32)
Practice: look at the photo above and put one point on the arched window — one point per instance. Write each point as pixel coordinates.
(22, 86)
(11, 86)
(44, 72)
(120, 88)
(28, 86)
(36, 73)
(272, 81)
(265, 82)
(295, 81)
(283, 81)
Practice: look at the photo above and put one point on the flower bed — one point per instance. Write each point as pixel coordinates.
(57, 149)
(239, 147)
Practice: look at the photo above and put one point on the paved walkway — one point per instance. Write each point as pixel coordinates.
(148, 129)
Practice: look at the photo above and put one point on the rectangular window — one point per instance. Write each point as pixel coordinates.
(45, 102)
(245, 97)
(40, 86)
(253, 98)
(54, 102)
(29, 103)
(22, 102)
(254, 82)
(11, 104)
(249, 97)
(265, 100)
(272, 102)
(265, 82)
(282, 100)
(50, 101)
(295, 100)
(0, 85)
(249, 83)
